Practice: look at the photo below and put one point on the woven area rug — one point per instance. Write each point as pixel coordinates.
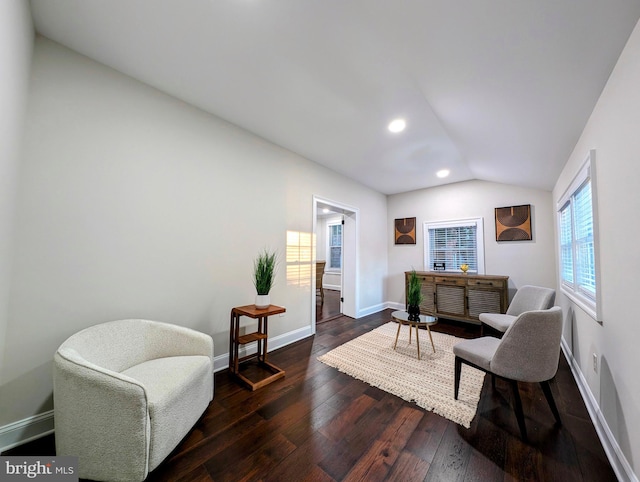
(427, 382)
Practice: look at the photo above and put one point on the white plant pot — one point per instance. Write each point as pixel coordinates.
(263, 301)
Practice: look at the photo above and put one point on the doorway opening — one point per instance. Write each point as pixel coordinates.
(335, 234)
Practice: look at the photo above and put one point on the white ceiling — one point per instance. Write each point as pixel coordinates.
(496, 90)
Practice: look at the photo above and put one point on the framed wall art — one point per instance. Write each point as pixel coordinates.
(405, 231)
(513, 223)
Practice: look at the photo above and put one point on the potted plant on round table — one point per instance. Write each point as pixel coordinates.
(264, 272)
(414, 296)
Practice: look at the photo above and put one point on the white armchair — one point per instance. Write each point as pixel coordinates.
(127, 392)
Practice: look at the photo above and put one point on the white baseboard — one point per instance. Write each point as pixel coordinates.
(26, 430)
(370, 310)
(396, 306)
(615, 455)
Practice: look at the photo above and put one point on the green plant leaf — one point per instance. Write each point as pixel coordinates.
(414, 293)
(264, 271)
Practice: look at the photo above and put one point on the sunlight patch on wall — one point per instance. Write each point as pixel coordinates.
(299, 248)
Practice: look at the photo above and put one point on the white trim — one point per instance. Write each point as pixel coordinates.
(350, 263)
(581, 176)
(593, 307)
(370, 310)
(583, 303)
(26, 430)
(616, 457)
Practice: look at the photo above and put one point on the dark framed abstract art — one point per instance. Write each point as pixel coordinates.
(405, 231)
(513, 223)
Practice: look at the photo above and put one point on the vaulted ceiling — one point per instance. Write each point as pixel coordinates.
(497, 90)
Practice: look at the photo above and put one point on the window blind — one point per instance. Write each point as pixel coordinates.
(566, 245)
(335, 246)
(583, 225)
(455, 243)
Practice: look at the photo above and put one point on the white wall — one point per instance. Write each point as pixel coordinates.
(614, 132)
(16, 43)
(134, 204)
(525, 262)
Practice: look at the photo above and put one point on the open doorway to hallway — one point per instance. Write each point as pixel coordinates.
(335, 228)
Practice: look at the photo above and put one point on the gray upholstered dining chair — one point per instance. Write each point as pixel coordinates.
(529, 351)
(527, 298)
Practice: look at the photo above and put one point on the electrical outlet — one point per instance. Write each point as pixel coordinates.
(595, 362)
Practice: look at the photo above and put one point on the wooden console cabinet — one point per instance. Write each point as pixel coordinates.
(461, 296)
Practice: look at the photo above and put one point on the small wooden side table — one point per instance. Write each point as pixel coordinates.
(402, 317)
(259, 336)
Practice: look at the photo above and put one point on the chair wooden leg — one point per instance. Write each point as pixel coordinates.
(456, 376)
(518, 409)
(552, 404)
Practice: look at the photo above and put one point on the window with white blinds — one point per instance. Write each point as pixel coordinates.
(334, 246)
(453, 243)
(576, 228)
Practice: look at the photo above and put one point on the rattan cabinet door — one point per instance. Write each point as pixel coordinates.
(450, 300)
(483, 301)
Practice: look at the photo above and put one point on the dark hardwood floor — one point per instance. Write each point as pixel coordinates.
(319, 424)
(330, 308)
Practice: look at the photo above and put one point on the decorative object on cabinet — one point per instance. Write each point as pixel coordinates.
(264, 273)
(405, 231)
(462, 297)
(513, 223)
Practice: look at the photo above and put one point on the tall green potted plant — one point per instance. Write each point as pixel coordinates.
(414, 296)
(264, 273)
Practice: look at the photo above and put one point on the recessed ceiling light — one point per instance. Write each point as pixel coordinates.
(442, 173)
(325, 210)
(397, 125)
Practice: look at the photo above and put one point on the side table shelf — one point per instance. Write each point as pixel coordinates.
(260, 336)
